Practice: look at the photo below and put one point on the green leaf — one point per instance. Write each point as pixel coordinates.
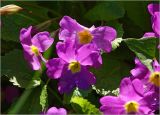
(116, 65)
(105, 11)
(83, 106)
(77, 92)
(44, 97)
(16, 69)
(138, 13)
(145, 49)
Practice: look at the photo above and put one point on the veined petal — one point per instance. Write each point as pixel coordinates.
(66, 50)
(112, 105)
(42, 41)
(25, 36)
(103, 37)
(55, 111)
(55, 68)
(105, 32)
(87, 55)
(69, 27)
(129, 90)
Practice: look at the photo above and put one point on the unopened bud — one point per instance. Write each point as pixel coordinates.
(9, 9)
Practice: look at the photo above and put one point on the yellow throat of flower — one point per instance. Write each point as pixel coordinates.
(85, 37)
(35, 50)
(131, 106)
(74, 67)
(155, 78)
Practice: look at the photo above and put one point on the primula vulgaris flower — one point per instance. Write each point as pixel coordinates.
(56, 111)
(100, 36)
(154, 10)
(34, 45)
(129, 101)
(72, 66)
(150, 79)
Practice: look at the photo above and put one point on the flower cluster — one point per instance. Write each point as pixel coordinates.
(79, 48)
(139, 93)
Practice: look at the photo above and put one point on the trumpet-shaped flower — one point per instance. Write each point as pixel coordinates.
(101, 37)
(33, 46)
(130, 100)
(72, 66)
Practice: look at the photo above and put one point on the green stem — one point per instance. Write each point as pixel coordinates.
(21, 101)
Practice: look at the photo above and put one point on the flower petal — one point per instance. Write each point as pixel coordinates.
(156, 65)
(66, 82)
(112, 105)
(152, 8)
(103, 37)
(84, 79)
(33, 60)
(25, 35)
(105, 32)
(55, 111)
(156, 23)
(87, 55)
(69, 27)
(149, 35)
(131, 90)
(42, 41)
(55, 68)
(66, 50)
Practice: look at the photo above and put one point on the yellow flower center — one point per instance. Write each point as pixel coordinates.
(155, 78)
(74, 67)
(131, 106)
(85, 37)
(35, 50)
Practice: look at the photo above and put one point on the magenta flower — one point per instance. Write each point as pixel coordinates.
(154, 10)
(129, 101)
(150, 80)
(34, 46)
(56, 111)
(101, 37)
(72, 66)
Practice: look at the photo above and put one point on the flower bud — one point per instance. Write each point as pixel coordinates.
(9, 9)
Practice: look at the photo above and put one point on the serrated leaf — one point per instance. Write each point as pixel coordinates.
(83, 106)
(116, 43)
(145, 49)
(44, 97)
(15, 68)
(105, 11)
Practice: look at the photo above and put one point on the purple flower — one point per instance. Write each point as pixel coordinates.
(72, 66)
(130, 100)
(154, 10)
(56, 111)
(101, 37)
(34, 45)
(150, 79)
